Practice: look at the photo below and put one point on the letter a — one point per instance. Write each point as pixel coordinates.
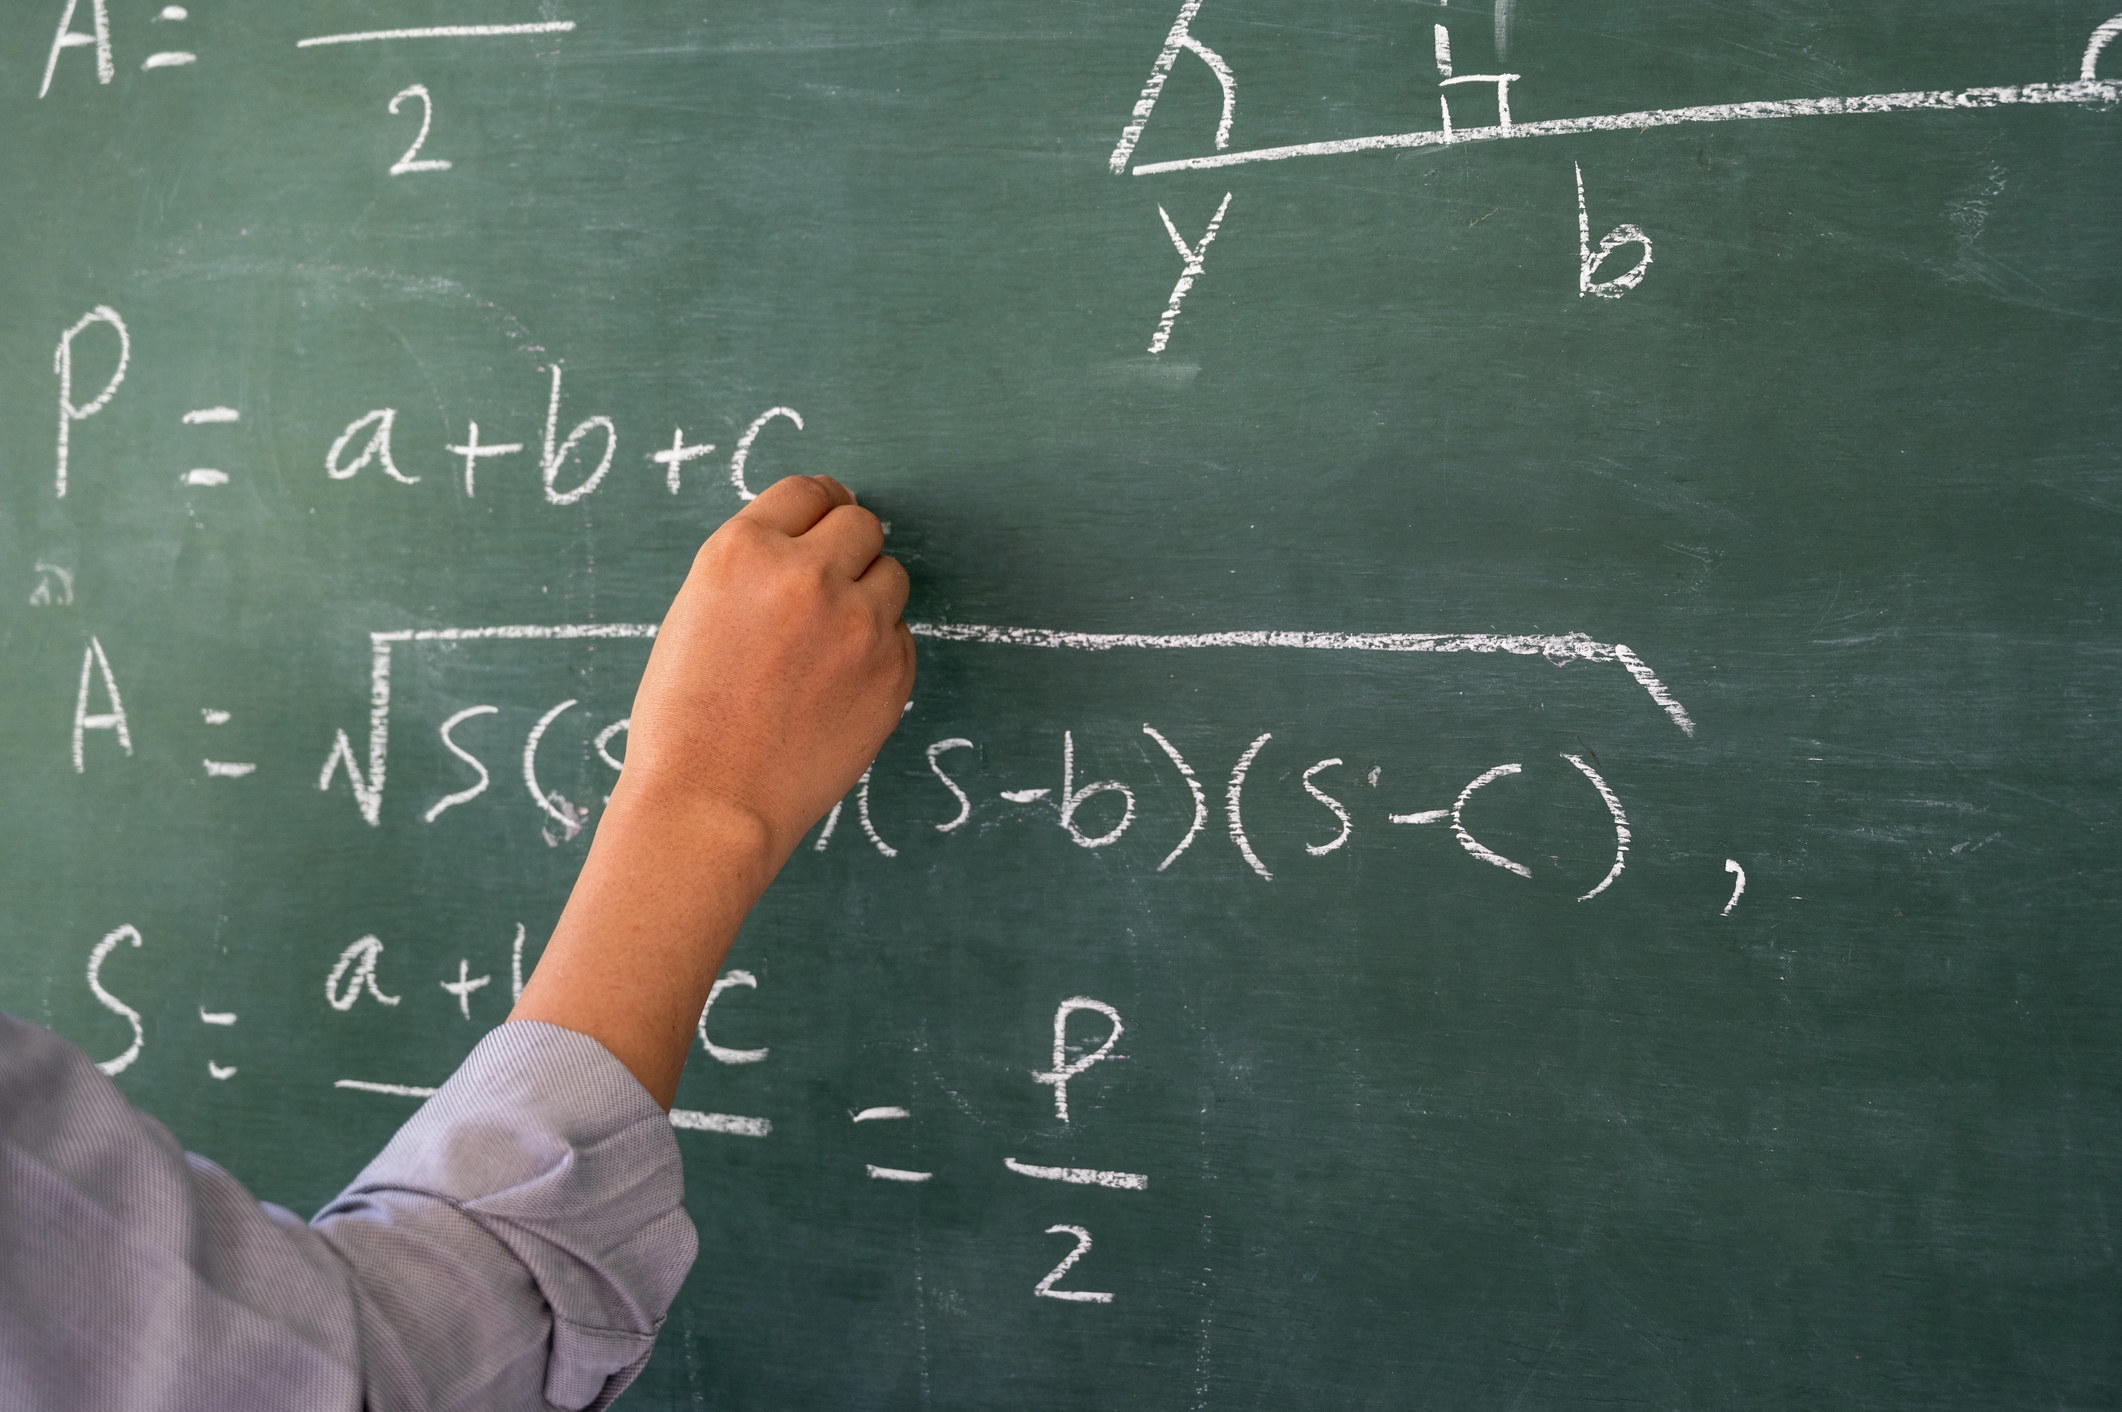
(378, 447)
(69, 37)
(112, 720)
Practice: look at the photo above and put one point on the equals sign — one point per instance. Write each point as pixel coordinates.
(202, 416)
(889, 1174)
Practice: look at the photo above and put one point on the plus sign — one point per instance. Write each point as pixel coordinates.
(463, 986)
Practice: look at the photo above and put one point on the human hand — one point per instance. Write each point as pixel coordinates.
(780, 669)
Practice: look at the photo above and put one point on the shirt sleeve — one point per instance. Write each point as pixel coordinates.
(523, 1235)
(516, 1245)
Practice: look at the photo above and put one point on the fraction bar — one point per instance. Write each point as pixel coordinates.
(438, 32)
(687, 1118)
(1080, 1176)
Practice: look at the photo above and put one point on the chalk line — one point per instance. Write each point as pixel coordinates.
(1066, 1068)
(438, 32)
(1234, 807)
(896, 1174)
(1621, 834)
(1081, 1176)
(1556, 648)
(1738, 887)
(202, 415)
(1192, 783)
(1340, 811)
(881, 1114)
(2086, 90)
(1179, 39)
(1045, 1288)
(689, 1119)
(692, 1120)
(394, 1090)
(1466, 839)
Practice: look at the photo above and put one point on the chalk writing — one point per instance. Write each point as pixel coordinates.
(1738, 885)
(466, 795)
(367, 780)
(219, 1072)
(731, 1124)
(63, 364)
(744, 446)
(113, 720)
(1589, 261)
(1502, 83)
(1193, 785)
(555, 456)
(372, 36)
(463, 986)
(1045, 1288)
(1194, 260)
(2087, 90)
(412, 161)
(1467, 840)
(377, 448)
(1080, 1176)
(55, 586)
(1557, 649)
(70, 38)
(112, 1003)
(676, 457)
(1340, 811)
(684, 1119)
(473, 452)
(1621, 835)
(869, 829)
(1180, 38)
(1234, 807)
(1073, 799)
(720, 1054)
(965, 805)
(896, 1174)
(356, 966)
(569, 816)
(1066, 1068)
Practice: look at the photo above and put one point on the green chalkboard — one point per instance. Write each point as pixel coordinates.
(1520, 727)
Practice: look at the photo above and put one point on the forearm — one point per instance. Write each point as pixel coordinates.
(668, 881)
(781, 667)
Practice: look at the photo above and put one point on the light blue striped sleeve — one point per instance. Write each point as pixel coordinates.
(524, 1233)
(516, 1245)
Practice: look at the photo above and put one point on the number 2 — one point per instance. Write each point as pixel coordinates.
(412, 161)
(1045, 1288)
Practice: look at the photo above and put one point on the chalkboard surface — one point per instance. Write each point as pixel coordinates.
(1512, 798)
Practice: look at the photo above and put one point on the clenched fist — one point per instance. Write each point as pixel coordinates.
(781, 667)
(779, 670)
